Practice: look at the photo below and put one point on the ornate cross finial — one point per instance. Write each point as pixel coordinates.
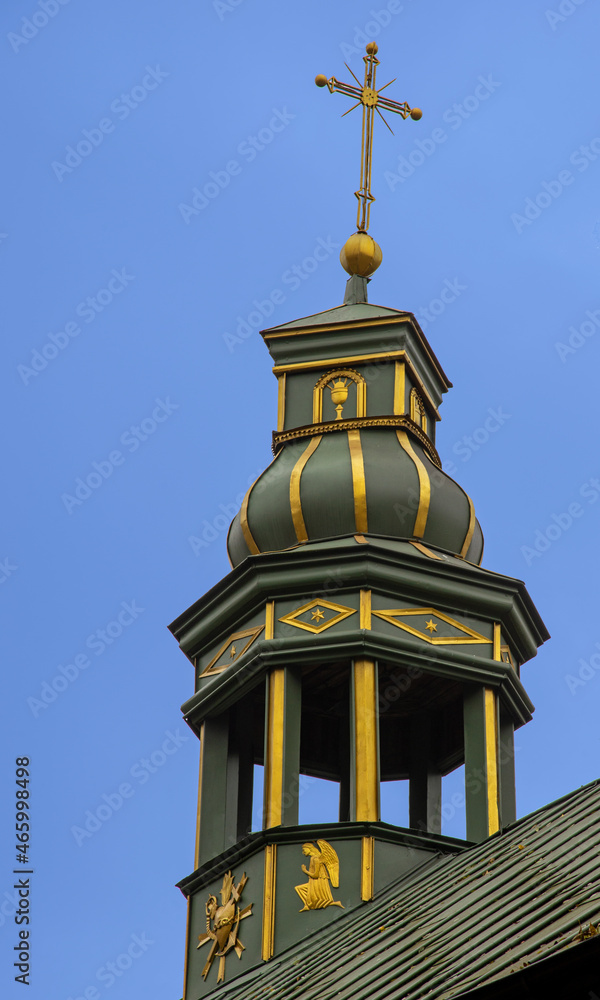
(371, 100)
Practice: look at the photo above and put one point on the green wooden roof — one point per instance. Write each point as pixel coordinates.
(340, 314)
(457, 922)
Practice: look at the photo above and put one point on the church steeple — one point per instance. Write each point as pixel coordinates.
(357, 638)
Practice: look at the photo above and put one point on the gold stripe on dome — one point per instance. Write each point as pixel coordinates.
(295, 502)
(275, 746)
(268, 920)
(426, 551)
(491, 756)
(399, 388)
(359, 486)
(339, 373)
(470, 529)
(281, 401)
(299, 366)
(392, 616)
(365, 609)
(248, 537)
(309, 430)
(424, 486)
(366, 771)
(367, 866)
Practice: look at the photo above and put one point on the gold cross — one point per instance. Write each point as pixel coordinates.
(367, 95)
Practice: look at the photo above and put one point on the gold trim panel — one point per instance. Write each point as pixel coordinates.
(281, 401)
(426, 552)
(250, 633)
(295, 502)
(309, 430)
(399, 388)
(497, 641)
(367, 868)
(359, 486)
(268, 925)
(471, 636)
(491, 755)
(342, 612)
(198, 808)
(269, 619)
(365, 609)
(339, 373)
(424, 485)
(366, 764)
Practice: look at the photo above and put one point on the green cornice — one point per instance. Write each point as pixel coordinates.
(239, 853)
(394, 567)
(226, 688)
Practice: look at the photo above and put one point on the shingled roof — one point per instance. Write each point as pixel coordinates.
(458, 922)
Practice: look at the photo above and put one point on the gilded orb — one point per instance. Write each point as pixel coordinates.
(372, 49)
(361, 255)
(416, 114)
(320, 80)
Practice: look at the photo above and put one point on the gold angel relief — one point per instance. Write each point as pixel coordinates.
(323, 868)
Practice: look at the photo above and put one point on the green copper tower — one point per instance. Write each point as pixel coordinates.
(357, 638)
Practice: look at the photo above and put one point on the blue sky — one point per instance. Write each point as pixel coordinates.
(132, 353)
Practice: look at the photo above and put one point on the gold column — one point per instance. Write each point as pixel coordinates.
(491, 758)
(366, 761)
(274, 748)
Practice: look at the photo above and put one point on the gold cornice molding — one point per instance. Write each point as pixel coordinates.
(280, 439)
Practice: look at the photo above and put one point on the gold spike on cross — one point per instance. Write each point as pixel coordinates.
(367, 95)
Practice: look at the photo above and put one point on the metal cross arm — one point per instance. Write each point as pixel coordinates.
(371, 100)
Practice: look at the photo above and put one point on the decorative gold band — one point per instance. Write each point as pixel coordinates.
(470, 529)
(248, 537)
(399, 421)
(274, 761)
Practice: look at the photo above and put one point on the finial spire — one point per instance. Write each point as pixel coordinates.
(363, 256)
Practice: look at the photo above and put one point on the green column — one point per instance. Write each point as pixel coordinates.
(481, 761)
(212, 788)
(425, 781)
